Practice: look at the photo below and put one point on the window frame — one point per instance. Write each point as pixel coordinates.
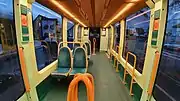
(47, 17)
(124, 39)
(114, 47)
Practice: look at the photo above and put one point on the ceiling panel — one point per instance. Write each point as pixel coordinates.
(94, 12)
(113, 8)
(99, 8)
(87, 9)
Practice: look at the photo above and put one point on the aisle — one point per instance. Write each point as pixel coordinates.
(108, 86)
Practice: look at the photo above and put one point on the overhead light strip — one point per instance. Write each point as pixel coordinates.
(66, 11)
(138, 15)
(142, 22)
(127, 7)
(46, 10)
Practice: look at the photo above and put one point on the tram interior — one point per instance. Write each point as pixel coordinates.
(130, 32)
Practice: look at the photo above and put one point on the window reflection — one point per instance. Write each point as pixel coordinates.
(109, 37)
(167, 87)
(137, 29)
(116, 37)
(47, 30)
(79, 33)
(70, 33)
(10, 73)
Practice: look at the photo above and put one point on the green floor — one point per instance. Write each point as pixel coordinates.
(108, 86)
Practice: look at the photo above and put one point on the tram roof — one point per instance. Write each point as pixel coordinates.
(94, 13)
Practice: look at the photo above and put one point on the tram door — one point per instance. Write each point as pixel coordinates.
(11, 80)
(167, 85)
(95, 33)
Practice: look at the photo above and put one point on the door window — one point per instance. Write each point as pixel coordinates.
(136, 36)
(11, 80)
(167, 85)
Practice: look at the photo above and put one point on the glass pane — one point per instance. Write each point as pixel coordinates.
(167, 86)
(79, 33)
(116, 37)
(11, 81)
(109, 37)
(137, 29)
(70, 33)
(47, 30)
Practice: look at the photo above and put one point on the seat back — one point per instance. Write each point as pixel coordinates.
(64, 58)
(60, 45)
(80, 58)
(76, 45)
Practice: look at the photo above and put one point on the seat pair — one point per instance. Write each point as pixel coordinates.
(69, 64)
(86, 46)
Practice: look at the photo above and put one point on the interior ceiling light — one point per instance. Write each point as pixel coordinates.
(138, 15)
(127, 7)
(142, 22)
(132, 1)
(66, 11)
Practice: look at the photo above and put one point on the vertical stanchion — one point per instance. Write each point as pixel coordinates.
(153, 73)
(116, 59)
(114, 65)
(23, 69)
(94, 46)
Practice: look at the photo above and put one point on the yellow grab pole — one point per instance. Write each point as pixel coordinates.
(153, 73)
(117, 70)
(114, 62)
(23, 69)
(94, 46)
(132, 72)
(125, 69)
(117, 65)
(116, 59)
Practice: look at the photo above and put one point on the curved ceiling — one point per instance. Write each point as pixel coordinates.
(94, 13)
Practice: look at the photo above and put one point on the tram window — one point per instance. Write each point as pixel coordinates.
(109, 37)
(47, 30)
(116, 37)
(167, 85)
(11, 81)
(70, 33)
(137, 29)
(79, 33)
